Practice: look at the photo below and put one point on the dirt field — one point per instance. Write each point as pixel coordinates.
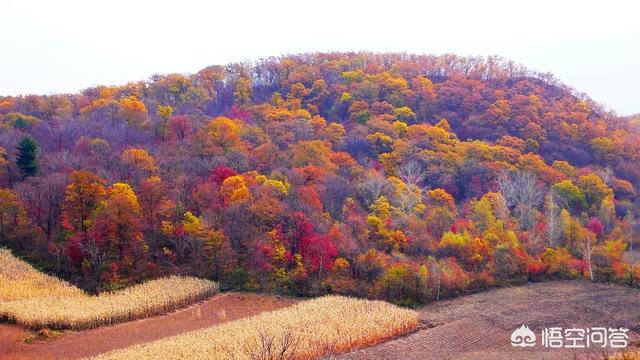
(479, 326)
(74, 345)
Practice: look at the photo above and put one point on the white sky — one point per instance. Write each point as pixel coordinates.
(68, 45)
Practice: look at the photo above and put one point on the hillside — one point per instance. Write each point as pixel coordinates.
(402, 177)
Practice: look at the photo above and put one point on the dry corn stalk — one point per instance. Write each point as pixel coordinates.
(35, 300)
(318, 327)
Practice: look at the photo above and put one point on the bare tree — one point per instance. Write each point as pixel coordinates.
(588, 245)
(606, 175)
(412, 173)
(435, 270)
(529, 195)
(96, 256)
(506, 187)
(406, 199)
(372, 187)
(270, 348)
(522, 191)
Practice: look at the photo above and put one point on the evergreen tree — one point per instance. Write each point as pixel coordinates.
(26, 160)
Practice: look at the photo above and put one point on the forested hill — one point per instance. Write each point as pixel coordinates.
(634, 120)
(481, 98)
(323, 172)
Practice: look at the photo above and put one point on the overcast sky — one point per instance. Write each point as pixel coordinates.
(67, 45)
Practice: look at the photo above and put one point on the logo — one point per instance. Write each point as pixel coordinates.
(523, 337)
(572, 338)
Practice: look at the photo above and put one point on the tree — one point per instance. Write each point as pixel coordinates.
(318, 251)
(293, 231)
(234, 189)
(405, 114)
(594, 190)
(242, 91)
(506, 262)
(406, 198)
(314, 152)
(26, 159)
(570, 195)
(372, 187)
(81, 197)
(115, 228)
(139, 159)
(522, 190)
(153, 196)
(3, 159)
(607, 212)
(137, 164)
(43, 197)
(482, 215)
(221, 254)
(552, 216)
(12, 217)
(630, 223)
(441, 211)
(411, 173)
(133, 111)
(179, 126)
(225, 133)
(425, 90)
(588, 244)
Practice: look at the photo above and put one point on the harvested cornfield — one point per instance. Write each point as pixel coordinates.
(35, 300)
(20, 281)
(479, 326)
(150, 298)
(310, 329)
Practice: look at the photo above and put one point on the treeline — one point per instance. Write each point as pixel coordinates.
(395, 176)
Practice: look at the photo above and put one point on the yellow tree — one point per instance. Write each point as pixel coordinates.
(312, 152)
(82, 196)
(137, 164)
(425, 90)
(594, 190)
(115, 227)
(234, 189)
(133, 111)
(378, 227)
(225, 133)
(441, 211)
(164, 113)
(139, 159)
(242, 91)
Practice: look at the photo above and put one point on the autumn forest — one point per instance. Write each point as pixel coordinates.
(406, 178)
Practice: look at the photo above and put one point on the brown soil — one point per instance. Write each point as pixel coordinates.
(74, 345)
(479, 326)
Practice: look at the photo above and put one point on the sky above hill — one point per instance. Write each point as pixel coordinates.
(68, 45)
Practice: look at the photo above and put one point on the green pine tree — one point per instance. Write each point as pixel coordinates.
(26, 160)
